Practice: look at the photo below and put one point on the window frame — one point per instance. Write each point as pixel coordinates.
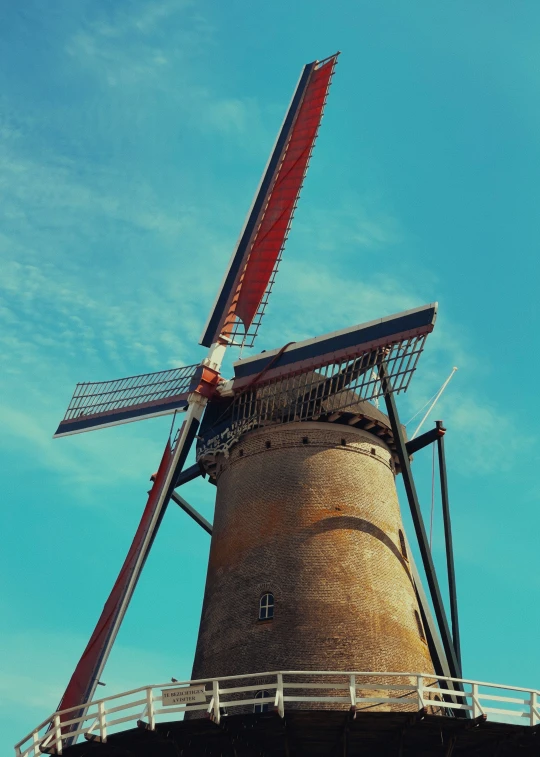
(266, 608)
(264, 706)
(403, 545)
(420, 626)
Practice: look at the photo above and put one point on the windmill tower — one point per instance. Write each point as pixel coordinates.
(311, 583)
(308, 567)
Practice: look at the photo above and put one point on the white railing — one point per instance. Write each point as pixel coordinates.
(97, 719)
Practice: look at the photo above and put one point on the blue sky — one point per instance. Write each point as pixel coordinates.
(132, 137)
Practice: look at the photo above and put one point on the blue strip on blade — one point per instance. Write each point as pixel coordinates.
(68, 427)
(353, 338)
(210, 335)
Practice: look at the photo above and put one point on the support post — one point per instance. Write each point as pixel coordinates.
(279, 696)
(35, 743)
(420, 692)
(150, 709)
(215, 696)
(533, 704)
(58, 734)
(477, 710)
(418, 521)
(448, 541)
(102, 722)
(352, 690)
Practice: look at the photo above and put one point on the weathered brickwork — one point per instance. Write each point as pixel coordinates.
(308, 511)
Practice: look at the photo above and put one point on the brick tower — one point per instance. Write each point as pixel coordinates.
(307, 519)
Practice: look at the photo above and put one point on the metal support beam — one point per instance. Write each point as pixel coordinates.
(194, 471)
(413, 445)
(197, 517)
(448, 541)
(436, 651)
(418, 521)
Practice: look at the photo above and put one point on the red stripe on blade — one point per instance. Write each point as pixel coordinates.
(276, 217)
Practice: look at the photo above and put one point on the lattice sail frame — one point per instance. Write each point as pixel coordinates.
(236, 329)
(331, 388)
(110, 402)
(238, 334)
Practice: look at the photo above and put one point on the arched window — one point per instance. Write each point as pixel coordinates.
(264, 706)
(266, 607)
(402, 544)
(420, 626)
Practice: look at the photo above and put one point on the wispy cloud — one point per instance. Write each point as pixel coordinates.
(125, 50)
(360, 223)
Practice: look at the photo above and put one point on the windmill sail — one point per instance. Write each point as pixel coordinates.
(85, 677)
(84, 680)
(109, 403)
(398, 337)
(249, 278)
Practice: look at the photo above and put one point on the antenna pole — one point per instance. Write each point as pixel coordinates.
(437, 397)
(418, 521)
(448, 540)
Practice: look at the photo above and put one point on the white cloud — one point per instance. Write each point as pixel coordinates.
(126, 53)
(123, 45)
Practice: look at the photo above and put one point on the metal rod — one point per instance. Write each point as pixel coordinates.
(418, 522)
(441, 390)
(197, 517)
(449, 547)
(194, 471)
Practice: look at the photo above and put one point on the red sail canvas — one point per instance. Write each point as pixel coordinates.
(85, 677)
(274, 224)
(254, 262)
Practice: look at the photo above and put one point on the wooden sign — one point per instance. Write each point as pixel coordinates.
(184, 695)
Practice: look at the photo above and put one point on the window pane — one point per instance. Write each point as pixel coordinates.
(266, 607)
(264, 707)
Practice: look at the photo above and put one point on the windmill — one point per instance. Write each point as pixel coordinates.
(309, 560)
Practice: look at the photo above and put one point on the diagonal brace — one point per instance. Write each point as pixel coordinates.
(187, 475)
(418, 521)
(197, 517)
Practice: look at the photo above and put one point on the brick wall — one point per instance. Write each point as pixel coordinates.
(309, 512)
